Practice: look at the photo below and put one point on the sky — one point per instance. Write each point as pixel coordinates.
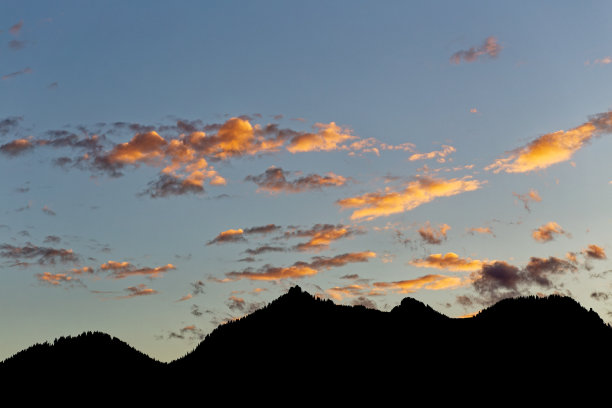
(171, 166)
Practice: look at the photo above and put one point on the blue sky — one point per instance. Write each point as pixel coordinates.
(358, 93)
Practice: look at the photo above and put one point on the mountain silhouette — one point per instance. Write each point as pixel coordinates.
(300, 345)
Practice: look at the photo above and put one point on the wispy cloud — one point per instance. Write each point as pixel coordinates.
(231, 235)
(12, 75)
(42, 255)
(439, 155)
(553, 148)
(122, 270)
(420, 191)
(490, 48)
(274, 181)
(450, 261)
(594, 252)
(138, 290)
(531, 196)
(16, 28)
(321, 235)
(427, 282)
(300, 269)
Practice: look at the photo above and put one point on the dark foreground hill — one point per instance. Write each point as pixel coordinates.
(301, 346)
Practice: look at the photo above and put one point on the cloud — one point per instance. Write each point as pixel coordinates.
(186, 297)
(428, 282)
(12, 75)
(138, 290)
(321, 235)
(122, 270)
(263, 229)
(9, 124)
(43, 255)
(553, 148)
(326, 138)
(499, 279)
(365, 302)
(339, 292)
(299, 269)
(16, 45)
(16, 147)
(547, 232)
(450, 261)
(168, 185)
(57, 279)
(82, 270)
(236, 303)
(440, 154)
(48, 211)
(531, 196)
(197, 287)
(52, 239)
(231, 235)
(432, 236)
(264, 249)
(480, 230)
(16, 28)
(420, 191)
(352, 276)
(595, 252)
(600, 61)
(190, 332)
(489, 48)
(274, 181)
(601, 296)
(538, 269)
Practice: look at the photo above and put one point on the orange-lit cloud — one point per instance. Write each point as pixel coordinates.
(433, 236)
(326, 138)
(299, 269)
(439, 154)
(186, 297)
(547, 232)
(231, 235)
(428, 282)
(138, 290)
(450, 262)
(274, 181)
(600, 61)
(122, 270)
(54, 279)
(420, 191)
(552, 148)
(321, 235)
(340, 292)
(16, 147)
(531, 196)
(490, 48)
(480, 230)
(595, 252)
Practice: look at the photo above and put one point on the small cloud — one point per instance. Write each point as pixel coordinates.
(122, 270)
(138, 290)
(546, 232)
(439, 154)
(231, 235)
(16, 45)
(274, 181)
(52, 239)
(594, 252)
(531, 196)
(489, 48)
(12, 75)
(433, 236)
(16, 147)
(16, 28)
(474, 110)
(57, 279)
(53, 85)
(186, 297)
(48, 211)
(428, 282)
(450, 261)
(480, 230)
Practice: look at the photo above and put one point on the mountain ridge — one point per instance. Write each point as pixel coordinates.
(298, 337)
